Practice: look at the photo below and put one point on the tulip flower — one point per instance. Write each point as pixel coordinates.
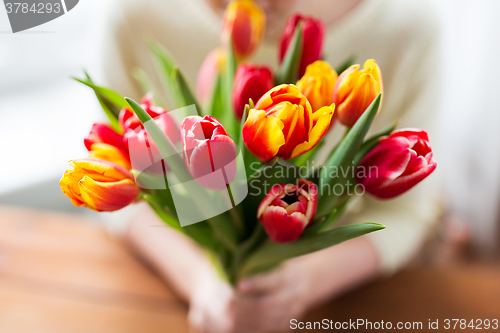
(244, 23)
(129, 121)
(312, 39)
(99, 185)
(287, 210)
(143, 151)
(134, 129)
(317, 84)
(213, 64)
(209, 152)
(110, 153)
(355, 90)
(283, 124)
(396, 164)
(251, 81)
(102, 133)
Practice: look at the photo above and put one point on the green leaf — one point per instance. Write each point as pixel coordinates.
(369, 144)
(165, 64)
(242, 123)
(183, 89)
(216, 106)
(160, 211)
(147, 85)
(110, 101)
(343, 156)
(346, 64)
(288, 71)
(162, 142)
(111, 95)
(325, 223)
(200, 232)
(249, 159)
(228, 117)
(271, 254)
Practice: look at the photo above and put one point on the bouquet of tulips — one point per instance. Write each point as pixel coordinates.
(232, 166)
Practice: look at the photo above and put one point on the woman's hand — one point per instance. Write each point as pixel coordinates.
(267, 302)
(264, 303)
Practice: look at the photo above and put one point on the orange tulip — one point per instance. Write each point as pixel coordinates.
(110, 153)
(283, 124)
(355, 90)
(317, 84)
(244, 22)
(99, 185)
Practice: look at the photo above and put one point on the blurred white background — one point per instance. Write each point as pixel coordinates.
(44, 114)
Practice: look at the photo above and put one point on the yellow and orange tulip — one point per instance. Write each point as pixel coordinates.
(110, 153)
(283, 124)
(99, 185)
(244, 22)
(355, 90)
(317, 84)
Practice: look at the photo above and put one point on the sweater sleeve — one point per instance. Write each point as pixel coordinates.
(411, 217)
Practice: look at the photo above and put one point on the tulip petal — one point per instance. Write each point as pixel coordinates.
(349, 111)
(110, 153)
(282, 227)
(296, 124)
(403, 184)
(345, 84)
(317, 132)
(263, 135)
(107, 196)
(370, 66)
(109, 170)
(384, 163)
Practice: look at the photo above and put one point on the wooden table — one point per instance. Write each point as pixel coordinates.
(60, 273)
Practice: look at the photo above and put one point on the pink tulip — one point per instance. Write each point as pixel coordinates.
(211, 67)
(288, 209)
(209, 152)
(399, 162)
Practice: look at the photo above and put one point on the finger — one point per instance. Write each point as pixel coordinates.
(261, 284)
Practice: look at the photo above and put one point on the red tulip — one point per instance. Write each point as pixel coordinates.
(102, 133)
(209, 152)
(312, 40)
(251, 81)
(136, 138)
(288, 209)
(244, 22)
(129, 121)
(399, 162)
